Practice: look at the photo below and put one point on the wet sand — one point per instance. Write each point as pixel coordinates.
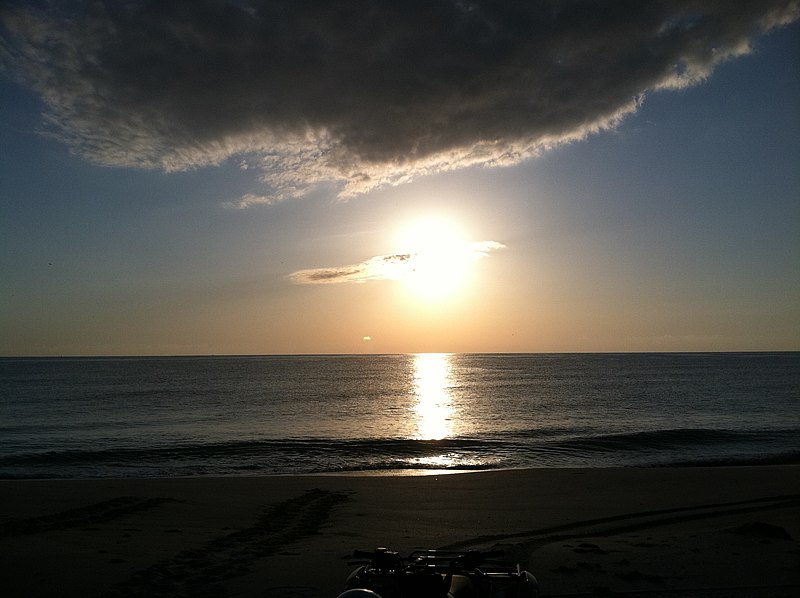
(721, 531)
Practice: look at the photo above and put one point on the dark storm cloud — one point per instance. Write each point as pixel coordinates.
(365, 92)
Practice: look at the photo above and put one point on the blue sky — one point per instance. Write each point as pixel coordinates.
(676, 228)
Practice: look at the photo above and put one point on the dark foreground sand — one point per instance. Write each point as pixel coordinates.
(583, 532)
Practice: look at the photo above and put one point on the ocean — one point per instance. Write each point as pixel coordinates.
(135, 417)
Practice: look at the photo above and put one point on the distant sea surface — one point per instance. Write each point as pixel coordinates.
(219, 416)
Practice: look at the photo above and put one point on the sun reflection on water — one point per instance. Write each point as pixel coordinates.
(433, 407)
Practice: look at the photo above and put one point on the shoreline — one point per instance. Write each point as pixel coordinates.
(677, 531)
(788, 459)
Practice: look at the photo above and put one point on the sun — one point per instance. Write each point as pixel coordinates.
(438, 258)
(432, 258)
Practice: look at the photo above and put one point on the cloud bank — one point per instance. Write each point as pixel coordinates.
(363, 93)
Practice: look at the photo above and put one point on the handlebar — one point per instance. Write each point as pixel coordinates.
(382, 558)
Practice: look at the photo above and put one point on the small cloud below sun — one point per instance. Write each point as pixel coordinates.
(432, 258)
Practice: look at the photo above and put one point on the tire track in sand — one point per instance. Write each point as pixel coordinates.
(81, 517)
(202, 572)
(630, 522)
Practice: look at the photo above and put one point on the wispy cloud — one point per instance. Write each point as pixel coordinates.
(388, 267)
(251, 199)
(361, 93)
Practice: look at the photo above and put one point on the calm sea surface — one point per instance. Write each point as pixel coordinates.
(141, 417)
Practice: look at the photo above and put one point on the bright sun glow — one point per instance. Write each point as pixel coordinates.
(438, 261)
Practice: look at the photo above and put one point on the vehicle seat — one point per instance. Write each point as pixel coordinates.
(461, 587)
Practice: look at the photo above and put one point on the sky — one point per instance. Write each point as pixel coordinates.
(267, 177)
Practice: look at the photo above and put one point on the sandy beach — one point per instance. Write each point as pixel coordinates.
(722, 531)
